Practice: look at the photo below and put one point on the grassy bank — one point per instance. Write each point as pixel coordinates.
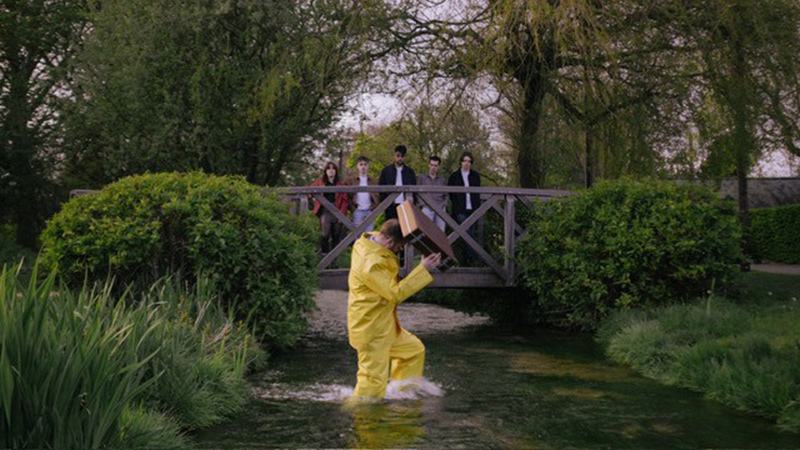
(83, 369)
(744, 352)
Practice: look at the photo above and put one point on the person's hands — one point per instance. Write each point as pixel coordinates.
(431, 261)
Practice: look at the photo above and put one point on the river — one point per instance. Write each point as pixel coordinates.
(497, 388)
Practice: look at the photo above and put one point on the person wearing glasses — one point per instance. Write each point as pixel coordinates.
(465, 204)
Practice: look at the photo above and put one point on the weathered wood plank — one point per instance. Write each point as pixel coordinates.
(331, 208)
(356, 232)
(419, 189)
(459, 231)
(517, 227)
(455, 277)
(509, 240)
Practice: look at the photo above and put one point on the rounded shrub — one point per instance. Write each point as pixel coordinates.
(623, 244)
(142, 228)
(774, 235)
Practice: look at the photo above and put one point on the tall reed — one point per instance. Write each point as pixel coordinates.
(69, 364)
(87, 369)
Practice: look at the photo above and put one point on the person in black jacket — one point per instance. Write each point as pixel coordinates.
(389, 177)
(465, 204)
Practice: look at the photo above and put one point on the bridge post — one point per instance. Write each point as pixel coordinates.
(509, 222)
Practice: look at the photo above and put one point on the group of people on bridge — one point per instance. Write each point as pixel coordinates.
(360, 204)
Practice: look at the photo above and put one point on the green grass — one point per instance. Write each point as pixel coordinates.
(86, 369)
(743, 352)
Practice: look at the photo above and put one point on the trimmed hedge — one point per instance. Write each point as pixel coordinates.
(775, 233)
(624, 244)
(142, 228)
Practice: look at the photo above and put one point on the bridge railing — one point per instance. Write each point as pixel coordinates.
(493, 273)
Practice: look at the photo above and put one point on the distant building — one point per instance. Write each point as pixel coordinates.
(763, 192)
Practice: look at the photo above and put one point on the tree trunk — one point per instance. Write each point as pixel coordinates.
(530, 159)
(22, 152)
(589, 175)
(743, 131)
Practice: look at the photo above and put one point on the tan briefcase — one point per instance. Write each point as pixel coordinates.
(424, 235)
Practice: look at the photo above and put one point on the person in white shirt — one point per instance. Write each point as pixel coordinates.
(465, 204)
(432, 178)
(362, 203)
(397, 174)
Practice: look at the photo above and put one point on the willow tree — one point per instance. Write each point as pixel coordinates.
(38, 39)
(748, 52)
(591, 61)
(232, 87)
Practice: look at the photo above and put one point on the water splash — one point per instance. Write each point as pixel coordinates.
(410, 389)
(414, 388)
(314, 392)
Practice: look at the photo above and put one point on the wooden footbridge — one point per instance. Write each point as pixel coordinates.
(491, 271)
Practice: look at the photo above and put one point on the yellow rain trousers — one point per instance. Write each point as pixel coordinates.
(372, 326)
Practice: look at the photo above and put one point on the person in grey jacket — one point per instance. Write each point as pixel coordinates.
(432, 178)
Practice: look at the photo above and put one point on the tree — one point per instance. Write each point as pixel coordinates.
(246, 87)
(38, 39)
(444, 127)
(590, 62)
(751, 79)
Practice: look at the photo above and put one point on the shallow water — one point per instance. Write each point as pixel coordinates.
(499, 389)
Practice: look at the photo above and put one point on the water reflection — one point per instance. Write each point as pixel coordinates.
(386, 424)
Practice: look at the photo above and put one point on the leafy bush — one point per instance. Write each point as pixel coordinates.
(774, 235)
(142, 228)
(624, 244)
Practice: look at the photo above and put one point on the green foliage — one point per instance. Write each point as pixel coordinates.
(12, 253)
(774, 234)
(38, 40)
(244, 87)
(260, 257)
(142, 428)
(203, 355)
(68, 365)
(444, 128)
(743, 355)
(85, 369)
(626, 244)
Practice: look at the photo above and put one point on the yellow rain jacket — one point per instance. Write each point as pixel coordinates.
(372, 325)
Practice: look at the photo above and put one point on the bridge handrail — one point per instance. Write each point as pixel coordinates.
(307, 190)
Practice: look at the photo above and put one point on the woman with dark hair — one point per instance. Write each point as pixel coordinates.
(330, 225)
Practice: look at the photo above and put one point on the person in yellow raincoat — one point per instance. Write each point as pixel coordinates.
(372, 325)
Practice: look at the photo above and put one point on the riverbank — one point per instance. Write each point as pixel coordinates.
(743, 352)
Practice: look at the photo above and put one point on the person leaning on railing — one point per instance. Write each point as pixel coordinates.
(432, 178)
(465, 204)
(397, 174)
(362, 203)
(329, 224)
